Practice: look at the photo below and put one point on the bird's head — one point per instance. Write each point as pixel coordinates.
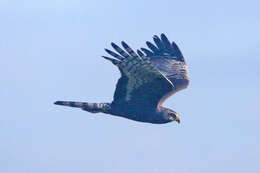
(173, 116)
(169, 115)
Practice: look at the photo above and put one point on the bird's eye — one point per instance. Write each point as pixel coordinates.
(175, 116)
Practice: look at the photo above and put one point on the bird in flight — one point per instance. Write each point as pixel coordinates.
(148, 78)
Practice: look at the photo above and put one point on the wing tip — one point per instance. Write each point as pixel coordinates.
(124, 44)
(156, 37)
(113, 44)
(114, 61)
(163, 35)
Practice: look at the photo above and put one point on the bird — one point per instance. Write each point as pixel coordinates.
(148, 77)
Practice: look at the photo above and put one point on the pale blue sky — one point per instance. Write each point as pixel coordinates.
(51, 50)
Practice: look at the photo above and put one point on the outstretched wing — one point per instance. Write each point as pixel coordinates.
(141, 84)
(168, 59)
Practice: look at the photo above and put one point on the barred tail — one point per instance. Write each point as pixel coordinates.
(90, 107)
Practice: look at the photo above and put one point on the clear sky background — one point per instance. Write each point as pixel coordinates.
(51, 50)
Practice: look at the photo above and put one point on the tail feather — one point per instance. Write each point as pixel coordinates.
(71, 104)
(90, 107)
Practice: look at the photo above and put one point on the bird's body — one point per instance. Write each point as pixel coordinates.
(147, 80)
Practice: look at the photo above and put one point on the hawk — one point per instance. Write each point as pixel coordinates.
(148, 78)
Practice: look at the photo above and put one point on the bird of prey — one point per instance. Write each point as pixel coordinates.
(148, 78)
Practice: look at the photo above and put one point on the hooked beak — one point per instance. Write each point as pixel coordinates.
(178, 119)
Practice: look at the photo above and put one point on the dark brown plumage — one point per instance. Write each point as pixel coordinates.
(148, 78)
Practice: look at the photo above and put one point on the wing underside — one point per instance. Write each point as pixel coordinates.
(168, 59)
(140, 83)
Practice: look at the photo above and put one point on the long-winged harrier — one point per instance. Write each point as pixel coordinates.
(148, 78)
